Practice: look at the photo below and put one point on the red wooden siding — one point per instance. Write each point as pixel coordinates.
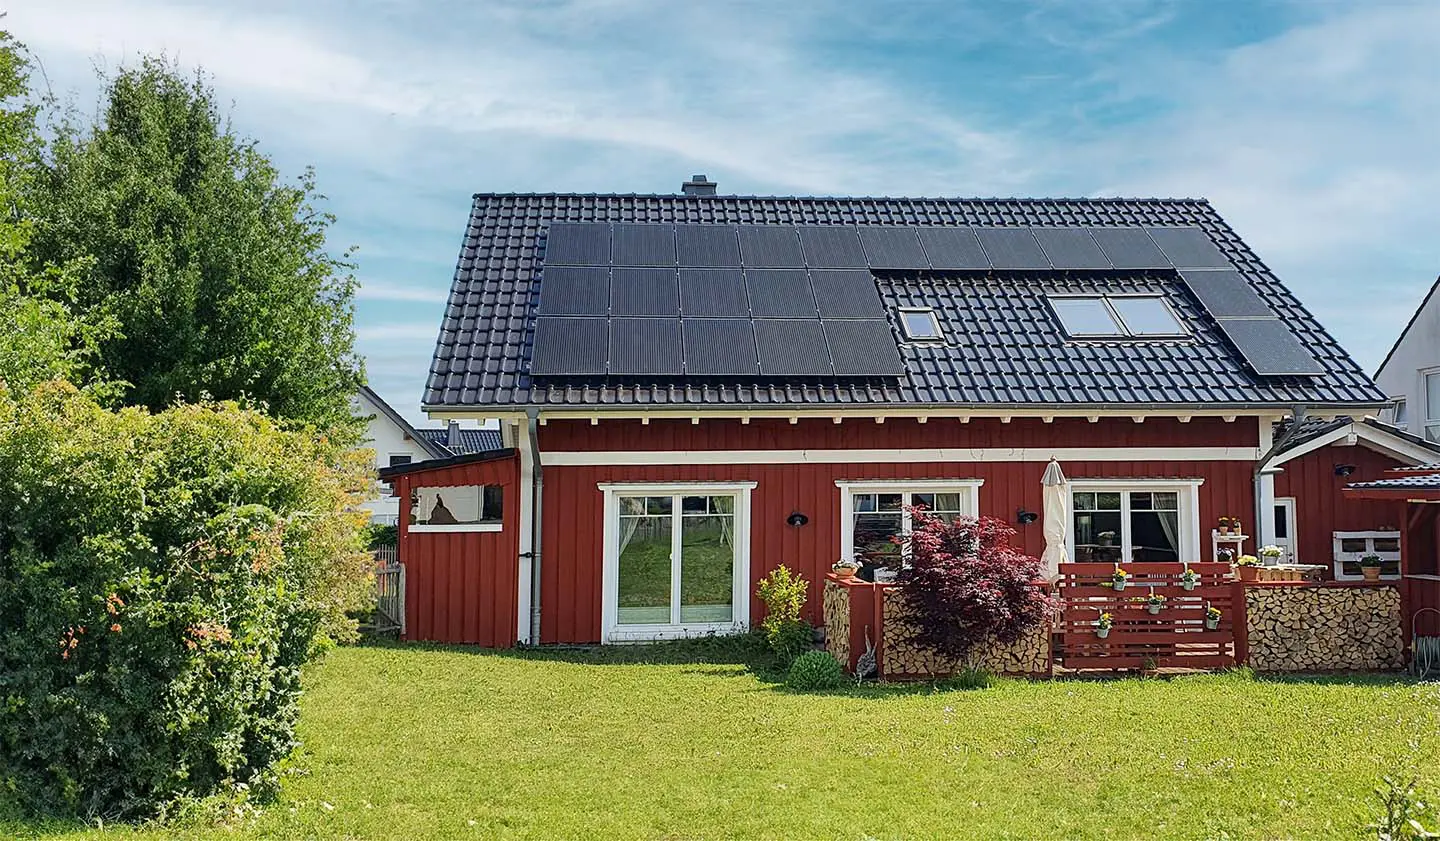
(573, 513)
(1320, 506)
(462, 587)
(895, 433)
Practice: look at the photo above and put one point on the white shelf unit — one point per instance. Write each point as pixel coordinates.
(1351, 546)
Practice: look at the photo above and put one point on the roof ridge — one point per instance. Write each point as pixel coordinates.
(760, 197)
(1414, 316)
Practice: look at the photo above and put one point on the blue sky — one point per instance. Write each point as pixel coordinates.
(1311, 125)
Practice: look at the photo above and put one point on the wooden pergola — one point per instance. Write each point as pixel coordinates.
(1417, 489)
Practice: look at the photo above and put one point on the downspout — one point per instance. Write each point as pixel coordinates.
(1298, 415)
(537, 471)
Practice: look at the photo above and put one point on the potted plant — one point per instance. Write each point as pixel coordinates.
(1224, 527)
(1212, 618)
(1189, 579)
(1102, 625)
(1225, 555)
(1119, 578)
(1248, 567)
(1370, 567)
(1271, 554)
(1154, 602)
(845, 568)
(1236, 527)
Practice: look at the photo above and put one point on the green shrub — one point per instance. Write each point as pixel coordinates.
(966, 679)
(163, 579)
(815, 671)
(784, 594)
(377, 535)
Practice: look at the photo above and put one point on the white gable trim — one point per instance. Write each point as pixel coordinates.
(960, 455)
(1367, 435)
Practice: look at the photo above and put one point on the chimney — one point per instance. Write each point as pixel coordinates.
(452, 436)
(698, 185)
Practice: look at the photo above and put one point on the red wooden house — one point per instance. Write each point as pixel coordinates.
(696, 388)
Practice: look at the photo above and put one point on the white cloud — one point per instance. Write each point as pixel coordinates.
(399, 331)
(379, 290)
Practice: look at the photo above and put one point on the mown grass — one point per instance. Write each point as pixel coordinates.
(696, 741)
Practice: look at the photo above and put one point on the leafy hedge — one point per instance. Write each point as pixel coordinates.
(163, 579)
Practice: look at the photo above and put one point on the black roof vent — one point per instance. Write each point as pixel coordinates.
(698, 185)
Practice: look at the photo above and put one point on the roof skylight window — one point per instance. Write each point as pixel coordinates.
(920, 325)
(1116, 316)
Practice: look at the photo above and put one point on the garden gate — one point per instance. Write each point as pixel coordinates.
(389, 594)
(1174, 636)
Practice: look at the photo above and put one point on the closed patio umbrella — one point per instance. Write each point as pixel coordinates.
(1057, 520)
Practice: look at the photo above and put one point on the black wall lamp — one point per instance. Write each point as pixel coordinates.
(1025, 518)
(1344, 469)
(796, 519)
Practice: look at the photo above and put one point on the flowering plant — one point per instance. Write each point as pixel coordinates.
(1212, 613)
(1155, 600)
(846, 563)
(1225, 555)
(1119, 576)
(1247, 561)
(1370, 561)
(1190, 576)
(1271, 551)
(1105, 621)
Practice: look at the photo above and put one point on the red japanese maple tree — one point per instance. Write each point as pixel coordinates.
(966, 584)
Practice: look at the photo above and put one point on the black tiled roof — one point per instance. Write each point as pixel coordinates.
(1003, 347)
(471, 440)
(1427, 482)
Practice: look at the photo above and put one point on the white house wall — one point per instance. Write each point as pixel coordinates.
(1418, 351)
(386, 438)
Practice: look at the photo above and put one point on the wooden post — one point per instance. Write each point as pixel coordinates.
(1240, 622)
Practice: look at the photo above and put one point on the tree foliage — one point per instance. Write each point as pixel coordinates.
(787, 633)
(966, 584)
(41, 339)
(163, 578)
(212, 268)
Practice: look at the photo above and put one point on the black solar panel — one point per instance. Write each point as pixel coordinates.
(707, 245)
(569, 346)
(770, 246)
(1189, 248)
(646, 346)
(1130, 248)
(720, 346)
(832, 247)
(643, 245)
(846, 293)
(713, 292)
(780, 293)
(644, 292)
(863, 349)
(893, 248)
(792, 348)
(574, 290)
(1071, 248)
(578, 244)
(1270, 348)
(1012, 248)
(1225, 292)
(953, 248)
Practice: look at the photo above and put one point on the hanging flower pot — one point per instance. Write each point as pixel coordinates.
(1153, 608)
(1212, 618)
(1119, 578)
(1102, 625)
(1190, 579)
(1212, 624)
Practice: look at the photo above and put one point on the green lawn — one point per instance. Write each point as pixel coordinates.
(415, 742)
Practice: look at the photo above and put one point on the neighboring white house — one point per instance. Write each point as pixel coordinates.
(1410, 373)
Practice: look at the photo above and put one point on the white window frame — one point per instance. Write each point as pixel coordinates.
(1399, 415)
(968, 488)
(1187, 493)
(1427, 422)
(938, 334)
(611, 630)
(411, 528)
(1340, 556)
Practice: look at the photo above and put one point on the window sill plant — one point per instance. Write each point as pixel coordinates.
(1370, 567)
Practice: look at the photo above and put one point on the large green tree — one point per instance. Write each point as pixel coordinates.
(213, 268)
(40, 338)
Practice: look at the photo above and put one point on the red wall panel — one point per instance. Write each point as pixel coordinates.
(573, 517)
(895, 433)
(462, 587)
(1320, 506)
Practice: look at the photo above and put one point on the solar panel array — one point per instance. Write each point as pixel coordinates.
(789, 301)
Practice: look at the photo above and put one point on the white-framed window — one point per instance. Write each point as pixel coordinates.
(1351, 546)
(920, 324)
(676, 560)
(457, 508)
(1117, 316)
(1432, 406)
(872, 513)
(1398, 415)
(1134, 520)
(393, 460)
